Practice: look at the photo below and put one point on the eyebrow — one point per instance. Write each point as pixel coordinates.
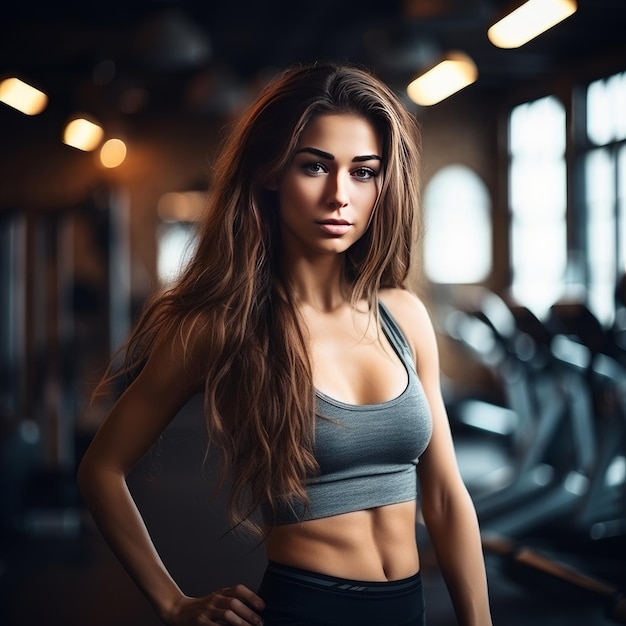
(329, 157)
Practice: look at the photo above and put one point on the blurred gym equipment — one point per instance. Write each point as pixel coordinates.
(560, 514)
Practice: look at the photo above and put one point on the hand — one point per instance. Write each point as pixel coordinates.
(233, 606)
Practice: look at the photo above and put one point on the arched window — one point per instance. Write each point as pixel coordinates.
(457, 242)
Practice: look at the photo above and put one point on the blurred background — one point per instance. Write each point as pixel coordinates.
(110, 114)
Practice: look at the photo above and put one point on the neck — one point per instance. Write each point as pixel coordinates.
(319, 283)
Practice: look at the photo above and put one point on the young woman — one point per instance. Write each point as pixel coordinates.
(319, 370)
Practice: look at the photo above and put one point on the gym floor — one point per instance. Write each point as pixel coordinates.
(58, 577)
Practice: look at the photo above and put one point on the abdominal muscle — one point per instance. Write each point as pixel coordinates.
(376, 544)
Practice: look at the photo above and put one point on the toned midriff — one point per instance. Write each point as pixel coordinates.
(376, 544)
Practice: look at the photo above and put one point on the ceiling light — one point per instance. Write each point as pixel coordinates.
(113, 153)
(528, 21)
(451, 74)
(83, 134)
(22, 96)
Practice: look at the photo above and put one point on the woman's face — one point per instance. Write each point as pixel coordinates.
(328, 191)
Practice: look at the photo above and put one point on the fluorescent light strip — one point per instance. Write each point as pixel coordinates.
(22, 96)
(83, 134)
(455, 72)
(528, 21)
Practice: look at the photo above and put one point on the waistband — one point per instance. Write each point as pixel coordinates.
(325, 581)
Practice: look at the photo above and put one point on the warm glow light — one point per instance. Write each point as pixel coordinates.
(529, 20)
(83, 134)
(23, 97)
(455, 72)
(184, 206)
(113, 153)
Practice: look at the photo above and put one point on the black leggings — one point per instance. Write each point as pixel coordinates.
(296, 597)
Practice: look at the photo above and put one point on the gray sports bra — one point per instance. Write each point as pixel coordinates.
(367, 453)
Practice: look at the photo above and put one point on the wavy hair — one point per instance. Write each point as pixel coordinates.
(234, 298)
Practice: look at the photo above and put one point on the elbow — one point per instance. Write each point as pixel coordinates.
(96, 474)
(89, 475)
(445, 503)
(434, 509)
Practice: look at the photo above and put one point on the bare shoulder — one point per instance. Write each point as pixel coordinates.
(413, 317)
(408, 309)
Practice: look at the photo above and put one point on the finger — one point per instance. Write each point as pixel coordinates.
(246, 595)
(238, 617)
(235, 609)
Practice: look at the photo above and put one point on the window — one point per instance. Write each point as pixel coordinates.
(538, 201)
(176, 242)
(605, 191)
(457, 242)
(177, 232)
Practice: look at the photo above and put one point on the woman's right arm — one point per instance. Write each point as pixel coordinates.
(136, 421)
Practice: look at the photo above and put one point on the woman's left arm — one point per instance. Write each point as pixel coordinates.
(447, 508)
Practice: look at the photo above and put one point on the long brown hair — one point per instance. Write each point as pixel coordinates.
(234, 298)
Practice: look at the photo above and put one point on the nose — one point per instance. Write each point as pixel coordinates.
(337, 191)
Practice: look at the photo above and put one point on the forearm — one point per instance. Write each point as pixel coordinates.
(453, 529)
(109, 500)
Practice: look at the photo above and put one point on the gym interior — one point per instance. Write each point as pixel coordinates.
(522, 265)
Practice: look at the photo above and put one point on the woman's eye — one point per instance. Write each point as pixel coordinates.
(314, 168)
(365, 173)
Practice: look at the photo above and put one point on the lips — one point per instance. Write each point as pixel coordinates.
(335, 227)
